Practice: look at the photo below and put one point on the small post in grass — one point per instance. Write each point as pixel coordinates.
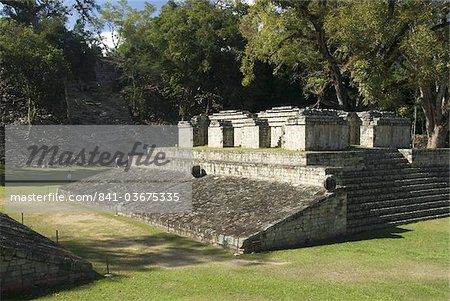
(22, 218)
(107, 266)
(57, 237)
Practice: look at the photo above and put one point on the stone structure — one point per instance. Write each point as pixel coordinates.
(277, 117)
(237, 120)
(305, 129)
(256, 200)
(354, 125)
(238, 213)
(383, 129)
(30, 260)
(200, 125)
(255, 134)
(221, 134)
(316, 130)
(185, 134)
(194, 132)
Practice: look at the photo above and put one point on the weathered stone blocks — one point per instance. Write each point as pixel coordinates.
(383, 129)
(255, 134)
(220, 134)
(29, 260)
(237, 120)
(316, 130)
(185, 135)
(276, 118)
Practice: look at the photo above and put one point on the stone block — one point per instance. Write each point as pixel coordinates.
(185, 135)
(200, 125)
(316, 130)
(256, 134)
(384, 129)
(220, 134)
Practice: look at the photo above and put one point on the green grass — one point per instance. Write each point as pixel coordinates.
(410, 263)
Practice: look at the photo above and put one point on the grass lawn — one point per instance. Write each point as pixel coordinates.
(410, 263)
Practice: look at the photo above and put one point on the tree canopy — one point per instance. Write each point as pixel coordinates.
(197, 56)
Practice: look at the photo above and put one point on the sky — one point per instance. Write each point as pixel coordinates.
(138, 4)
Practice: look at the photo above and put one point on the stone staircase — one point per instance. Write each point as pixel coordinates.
(388, 190)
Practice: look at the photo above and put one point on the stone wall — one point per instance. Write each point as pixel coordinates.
(305, 175)
(324, 220)
(427, 157)
(30, 260)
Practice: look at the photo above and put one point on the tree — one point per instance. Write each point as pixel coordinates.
(290, 33)
(36, 67)
(38, 53)
(394, 46)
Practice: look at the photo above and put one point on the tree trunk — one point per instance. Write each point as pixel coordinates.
(338, 82)
(437, 137)
(434, 102)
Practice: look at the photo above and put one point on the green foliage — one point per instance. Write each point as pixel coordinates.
(38, 54)
(290, 35)
(390, 45)
(36, 67)
(186, 60)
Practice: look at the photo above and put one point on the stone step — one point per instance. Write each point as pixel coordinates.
(412, 207)
(396, 209)
(407, 189)
(396, 182)
(395, 217)
(396, 195)
(395, 176)
(380, 172)
(356, 207)
(371, 227)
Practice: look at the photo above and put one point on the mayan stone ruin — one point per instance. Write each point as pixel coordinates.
(30, 260)
(335, 174)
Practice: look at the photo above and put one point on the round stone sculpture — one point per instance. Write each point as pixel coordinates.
(330, 183)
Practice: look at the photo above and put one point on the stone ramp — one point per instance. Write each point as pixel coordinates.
(30, 260)
(240, 213)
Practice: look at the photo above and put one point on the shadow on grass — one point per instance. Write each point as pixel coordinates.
(141, 253)
(46, 291)
(386, 233)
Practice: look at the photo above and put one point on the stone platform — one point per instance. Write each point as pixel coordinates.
(256, 200)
